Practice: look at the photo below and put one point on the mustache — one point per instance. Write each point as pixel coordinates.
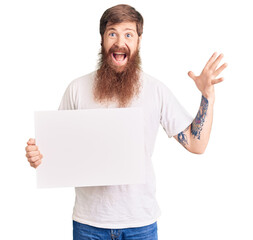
(115, 48)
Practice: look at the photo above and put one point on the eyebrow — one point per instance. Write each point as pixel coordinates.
(110, 29)
(126, 29)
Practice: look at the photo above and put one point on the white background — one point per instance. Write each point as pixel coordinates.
(44, 45)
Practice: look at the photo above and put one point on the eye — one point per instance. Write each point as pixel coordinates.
(128, 35)
(112, 34)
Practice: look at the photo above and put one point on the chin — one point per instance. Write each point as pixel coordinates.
(118, 68)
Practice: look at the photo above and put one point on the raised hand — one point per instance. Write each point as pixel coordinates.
(208, 78)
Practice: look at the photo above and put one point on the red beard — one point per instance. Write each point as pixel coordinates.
(117, 84)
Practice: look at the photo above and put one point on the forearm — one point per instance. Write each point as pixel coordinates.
(195, 137)
(200, 128)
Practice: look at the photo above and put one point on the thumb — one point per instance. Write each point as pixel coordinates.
(31, 141)
(191, 75)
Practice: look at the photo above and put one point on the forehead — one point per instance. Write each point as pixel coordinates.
(124, 26)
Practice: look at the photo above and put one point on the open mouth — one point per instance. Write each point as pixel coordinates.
(119, 58)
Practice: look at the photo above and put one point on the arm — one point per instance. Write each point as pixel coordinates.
(195, 138)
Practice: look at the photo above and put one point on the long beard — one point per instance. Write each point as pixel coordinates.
(114, 85)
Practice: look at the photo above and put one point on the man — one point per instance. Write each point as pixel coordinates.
(131, 211)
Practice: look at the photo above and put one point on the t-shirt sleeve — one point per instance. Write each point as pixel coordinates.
(173, 118)
(68, 99)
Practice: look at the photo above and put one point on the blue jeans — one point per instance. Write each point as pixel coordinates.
(86, 232)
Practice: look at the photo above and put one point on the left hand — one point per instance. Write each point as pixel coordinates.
(208, 77)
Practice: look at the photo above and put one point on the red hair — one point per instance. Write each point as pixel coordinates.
(121, 13)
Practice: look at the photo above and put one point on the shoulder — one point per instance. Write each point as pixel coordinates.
(77, 90)
(83, 80)
(155, 84)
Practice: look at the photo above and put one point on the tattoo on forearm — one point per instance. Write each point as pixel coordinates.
(182, 138)
(198, 122)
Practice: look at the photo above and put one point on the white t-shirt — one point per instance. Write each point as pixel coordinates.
(124, 206)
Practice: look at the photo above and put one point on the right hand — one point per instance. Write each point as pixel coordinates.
(33, 154)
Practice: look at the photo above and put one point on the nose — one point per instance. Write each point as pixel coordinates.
(120, 41)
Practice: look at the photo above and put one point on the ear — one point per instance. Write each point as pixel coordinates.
(139, 41)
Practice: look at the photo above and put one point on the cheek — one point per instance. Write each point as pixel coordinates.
(106, 47)
(133, 47)
(134, 44)
(104, 44)
(107, 44)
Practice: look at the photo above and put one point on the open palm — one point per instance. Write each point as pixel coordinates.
(208, 78)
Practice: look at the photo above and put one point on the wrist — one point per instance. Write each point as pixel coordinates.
(210, 96)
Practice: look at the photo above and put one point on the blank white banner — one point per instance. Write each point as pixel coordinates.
(92, 147)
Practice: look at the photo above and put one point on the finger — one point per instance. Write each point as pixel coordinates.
(31, 141)
(31, 148)
(192, 75)
(32, 154)
(211, 60)
(220, 69)
(36, 164)
(216, 62)
(34, 159)
(215, 81)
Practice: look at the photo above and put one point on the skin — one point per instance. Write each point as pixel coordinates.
(195, 137)
(33, 154)
(123, 35)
